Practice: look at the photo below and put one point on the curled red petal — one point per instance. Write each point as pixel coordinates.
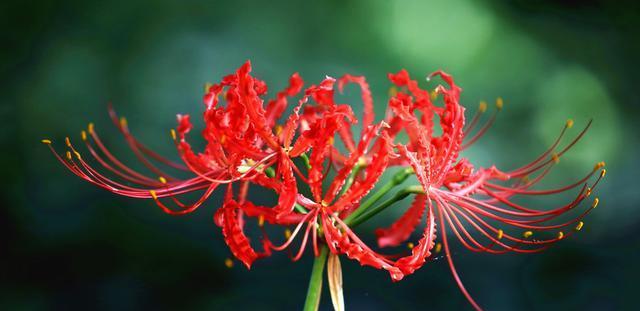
(359, 189)
(400, 230)
(422, 251)
(344, 242)
(233, 233)
(367, 101)
(289, 189)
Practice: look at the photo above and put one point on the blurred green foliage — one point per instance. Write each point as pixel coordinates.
(67, 245)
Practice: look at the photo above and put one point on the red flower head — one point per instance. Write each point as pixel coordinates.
(248, 146)
(477, 204)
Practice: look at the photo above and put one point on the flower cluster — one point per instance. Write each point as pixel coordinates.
(323, 174)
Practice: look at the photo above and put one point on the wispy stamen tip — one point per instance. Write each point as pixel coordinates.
(482, 107)
(46, 141)
(499, 103)
(410, 245)
(569, 123)
(173, 134)
(228, 263)
(153, 194)
(527, 234)
(595, 203)
(579, 226)
(560, 235)
(500, 234)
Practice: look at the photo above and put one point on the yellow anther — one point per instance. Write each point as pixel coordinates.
(67, 141)
(500, 234)
(362, 161)
(438, 247)
(162, 180)
(556, 158)
(525, 178)
(599, 165)
(207, 86)
(173, 134)
(77, 155)
(69, 155)
(331, 141)
(595, 203)
(287, 233)
(527, 234)
(261, 220)
(482, 107)
(499, 103)
(579, 226)
(588, 193)
(278, 129)
(84, 135)
(569, 123)
(46, 141)
(90, 128)
(410, 245)
(560, 235)
(224, 95)
(123, 122)
(602, 173)
(393, 91)
(153, 194)
(228, 263)
(434, 95)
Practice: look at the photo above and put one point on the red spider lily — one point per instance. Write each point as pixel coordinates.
(476, 203)
(328, 209)
(247, 145)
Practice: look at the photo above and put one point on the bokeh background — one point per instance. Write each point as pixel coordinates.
(67, 245)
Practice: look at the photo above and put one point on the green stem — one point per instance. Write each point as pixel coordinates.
(397, 179)
(315, 283)
(352, 177)
(270, 172)
(300, 209)
(399, 196)
(305, 159)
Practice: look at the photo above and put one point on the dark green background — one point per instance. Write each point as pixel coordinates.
(67, 245)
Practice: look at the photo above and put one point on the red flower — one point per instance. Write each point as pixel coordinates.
(476, 203)
(247, 145)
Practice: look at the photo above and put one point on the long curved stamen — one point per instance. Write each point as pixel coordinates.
(527, 169)
(452, 267)
(116, 121)
(124, 128)
(304, 242)
(469, 127)
(481, 132)
(294, 234)
(186, 209)
(94, 135)
(253, 168)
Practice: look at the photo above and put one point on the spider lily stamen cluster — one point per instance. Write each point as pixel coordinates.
(324, 176)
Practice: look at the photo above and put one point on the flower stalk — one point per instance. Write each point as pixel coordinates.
(315, 282)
